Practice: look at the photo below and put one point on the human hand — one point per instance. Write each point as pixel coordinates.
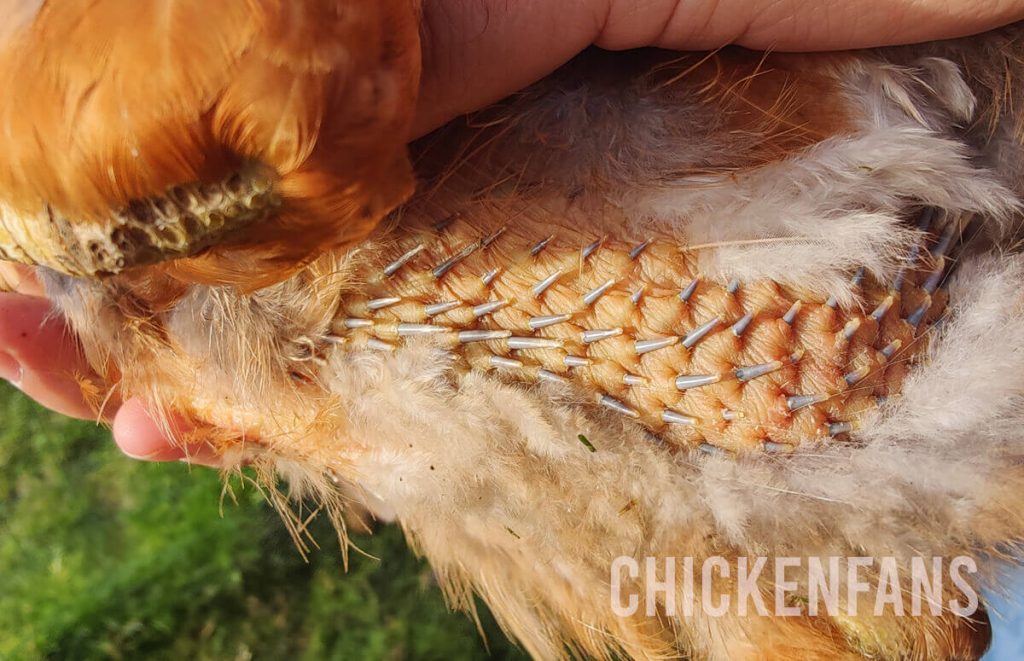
(39, 356)
(475, 52)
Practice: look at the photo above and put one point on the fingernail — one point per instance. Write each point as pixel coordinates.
(161, 454)
(139, 457)
(10, 370)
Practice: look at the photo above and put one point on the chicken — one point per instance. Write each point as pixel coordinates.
(658, 306)
(236, 139)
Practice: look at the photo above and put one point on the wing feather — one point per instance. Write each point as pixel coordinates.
(108, 101)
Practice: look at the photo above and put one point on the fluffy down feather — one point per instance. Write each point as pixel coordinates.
(487, 476)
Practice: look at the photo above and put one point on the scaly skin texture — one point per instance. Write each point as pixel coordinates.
(319, 380)
(542, 265)
(119, 103)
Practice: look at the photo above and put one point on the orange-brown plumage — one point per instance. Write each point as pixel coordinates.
(442, 374)
(111, 101)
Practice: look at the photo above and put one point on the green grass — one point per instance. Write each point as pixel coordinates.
(104, 557)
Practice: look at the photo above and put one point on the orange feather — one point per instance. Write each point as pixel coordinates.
(109, 101)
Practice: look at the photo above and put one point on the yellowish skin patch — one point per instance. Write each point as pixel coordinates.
(633, 323)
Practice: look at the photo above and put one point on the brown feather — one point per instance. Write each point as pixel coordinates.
(110, 101)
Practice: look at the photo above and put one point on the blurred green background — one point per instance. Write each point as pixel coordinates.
(104, 557)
